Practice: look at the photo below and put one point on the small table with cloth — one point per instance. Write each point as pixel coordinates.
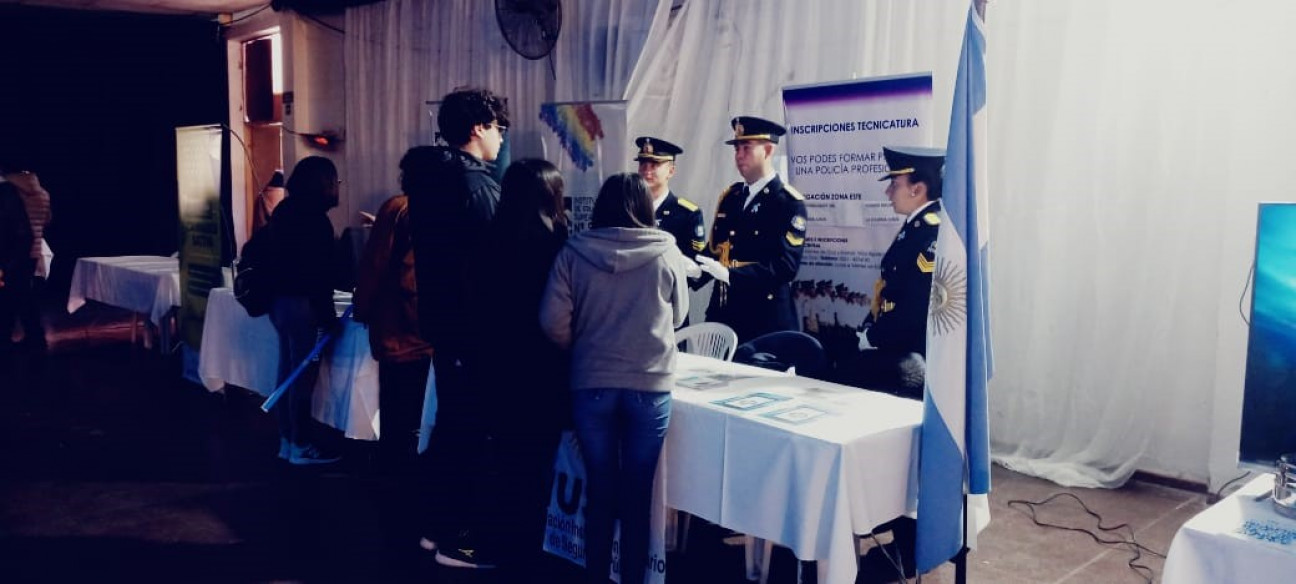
(240, 350)
(1240, 539)
(803, 463)
(148, 285)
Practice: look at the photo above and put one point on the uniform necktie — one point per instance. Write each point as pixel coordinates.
(747, 198)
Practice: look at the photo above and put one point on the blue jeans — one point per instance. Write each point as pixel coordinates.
(293, 320)
(621, 432)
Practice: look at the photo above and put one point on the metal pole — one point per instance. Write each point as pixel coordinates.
(960, 560)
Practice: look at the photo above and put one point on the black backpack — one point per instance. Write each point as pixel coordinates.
(254, 272)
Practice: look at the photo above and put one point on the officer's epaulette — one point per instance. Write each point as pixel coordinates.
(791, 190)
(687, 204)
(931, 218)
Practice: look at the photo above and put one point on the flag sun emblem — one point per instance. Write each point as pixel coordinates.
(949, 297)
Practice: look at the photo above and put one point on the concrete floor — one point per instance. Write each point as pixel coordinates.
(114, 469)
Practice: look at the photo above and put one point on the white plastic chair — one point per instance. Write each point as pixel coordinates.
(708, 339)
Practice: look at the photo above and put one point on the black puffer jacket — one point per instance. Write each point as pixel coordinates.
(449, 220)
(15, 234)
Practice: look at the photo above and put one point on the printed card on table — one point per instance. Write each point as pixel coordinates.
(796, 415)
(708, 380)
(750, 401)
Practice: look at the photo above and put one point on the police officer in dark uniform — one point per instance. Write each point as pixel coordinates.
(676, 215)
(893, 339)
(757, 238)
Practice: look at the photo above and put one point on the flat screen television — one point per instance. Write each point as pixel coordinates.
(1269, 391)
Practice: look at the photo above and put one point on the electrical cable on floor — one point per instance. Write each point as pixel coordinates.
(1219, 493)
(896, 562)
(1143, 571)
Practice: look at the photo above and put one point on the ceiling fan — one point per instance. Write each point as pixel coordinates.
(530, 26)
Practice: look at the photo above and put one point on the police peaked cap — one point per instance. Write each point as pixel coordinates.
(753, 128)
(910, 159)
(656, 149)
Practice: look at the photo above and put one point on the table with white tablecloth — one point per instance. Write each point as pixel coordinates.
(148, 285)
(1240, 539)
(809, 465)
(240, 350)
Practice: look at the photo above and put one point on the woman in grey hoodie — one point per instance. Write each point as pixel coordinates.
(614, 297)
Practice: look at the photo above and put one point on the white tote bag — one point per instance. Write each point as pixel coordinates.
(45, 260)
(565, 521)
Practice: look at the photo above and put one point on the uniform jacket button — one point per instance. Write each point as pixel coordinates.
(770, 297)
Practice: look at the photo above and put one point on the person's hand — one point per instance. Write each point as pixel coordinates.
(714, 268)
(864, 344)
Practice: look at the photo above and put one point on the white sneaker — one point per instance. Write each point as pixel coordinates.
(427, 544)
(461, 558)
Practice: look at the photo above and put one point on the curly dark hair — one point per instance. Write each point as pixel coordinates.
(464, 109)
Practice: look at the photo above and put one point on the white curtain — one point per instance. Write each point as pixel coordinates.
(403, 53)
(1129, 143)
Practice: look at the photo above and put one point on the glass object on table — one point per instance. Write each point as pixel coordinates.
(1284, 489)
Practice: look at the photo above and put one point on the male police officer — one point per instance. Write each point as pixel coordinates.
(757, 238)
(894, 333)
(675, 215)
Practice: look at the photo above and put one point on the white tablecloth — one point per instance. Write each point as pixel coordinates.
(1223, 543)
(244, 351)
(810, 486)
(145, 284)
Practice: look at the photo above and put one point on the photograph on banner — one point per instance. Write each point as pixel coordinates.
(198, 182)
(834, 287)
(588, 142)
(836, 132)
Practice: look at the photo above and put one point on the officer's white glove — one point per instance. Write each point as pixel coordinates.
(691, 269)
(864, 343)
(714, 268)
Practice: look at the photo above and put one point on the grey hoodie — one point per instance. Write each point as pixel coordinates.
(615, 296)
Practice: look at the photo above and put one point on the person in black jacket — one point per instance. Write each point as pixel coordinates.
(756, 240)
(893, 337)
(303, 303)
(15, 260)
(526, 375)
(452, 201)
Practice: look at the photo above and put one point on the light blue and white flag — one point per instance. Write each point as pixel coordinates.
(955, 448)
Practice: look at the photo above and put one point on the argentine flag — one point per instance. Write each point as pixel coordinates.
(955, 448)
